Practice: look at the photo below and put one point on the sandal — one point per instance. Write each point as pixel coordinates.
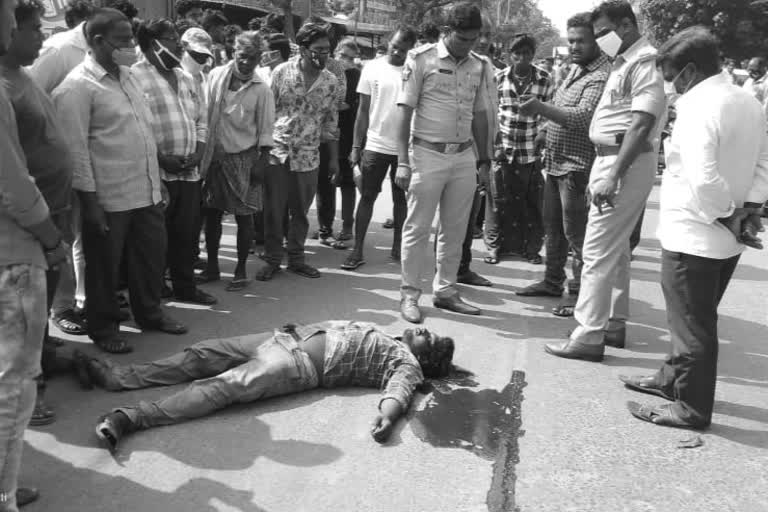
(353, 262)
(238, 284)
(491, 260)
(70, 323)
(566, 307)
(42, 414)
(267, 272)
(304, 270)
(114, 346)
(389, 224)
(344, 236)
(333, 244)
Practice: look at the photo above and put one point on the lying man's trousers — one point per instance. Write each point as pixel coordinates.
(232, 370)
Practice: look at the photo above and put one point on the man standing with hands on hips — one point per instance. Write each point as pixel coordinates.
(626, 131)
(444, 94)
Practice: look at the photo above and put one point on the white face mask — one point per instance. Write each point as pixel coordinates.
(190, 65)
(610, 44)
(124, 56)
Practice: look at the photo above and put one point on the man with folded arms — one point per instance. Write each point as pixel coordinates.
(714, 186)
(444, 93)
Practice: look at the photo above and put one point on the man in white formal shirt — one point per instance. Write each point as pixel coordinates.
(715, 182)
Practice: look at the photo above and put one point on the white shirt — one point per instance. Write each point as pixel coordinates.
(61, 53)
(381, 81)
(717, 160)
(757, 88)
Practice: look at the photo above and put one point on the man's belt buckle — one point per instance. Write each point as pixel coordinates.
(451, 149)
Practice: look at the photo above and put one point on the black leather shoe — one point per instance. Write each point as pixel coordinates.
(26, 495)
(409, 308)
(197, 297)
(616, 339)
(645, 384)
(112, 428)
(571, 349)
(473, 279)
(456, 305)
(663, 416)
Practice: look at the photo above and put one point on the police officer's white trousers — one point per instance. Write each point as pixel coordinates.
(447, 181)
(603, 303)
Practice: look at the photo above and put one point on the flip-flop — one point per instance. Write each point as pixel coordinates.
(42, 415)
(237, 285)
(344, 236)
(352, 263)
(661, 415)
(491, 260)
(566, 307)
(114, 346)
(333, 244)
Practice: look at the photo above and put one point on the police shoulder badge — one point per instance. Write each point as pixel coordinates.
(407, 72)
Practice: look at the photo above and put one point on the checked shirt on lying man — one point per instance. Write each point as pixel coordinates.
(290, 360)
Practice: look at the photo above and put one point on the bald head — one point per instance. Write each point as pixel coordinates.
(756, 68)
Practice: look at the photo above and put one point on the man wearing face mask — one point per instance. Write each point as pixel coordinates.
(197, 55)
(306, 111)
(117, 178)
(444, 93)
(757, 82)
(626, 130)
(713, 189)
(179, 122)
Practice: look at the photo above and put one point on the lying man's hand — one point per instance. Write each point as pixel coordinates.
(382, 429)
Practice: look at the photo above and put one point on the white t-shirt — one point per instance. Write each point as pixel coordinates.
(381, 81)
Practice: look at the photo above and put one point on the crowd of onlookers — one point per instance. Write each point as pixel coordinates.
(141, 135)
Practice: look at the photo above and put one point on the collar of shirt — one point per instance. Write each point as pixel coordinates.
(94, 68)
(443, 53)
(539, 74)
(694, 95)
(295, 68)
(634, 52)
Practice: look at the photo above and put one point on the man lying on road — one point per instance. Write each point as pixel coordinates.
(290, 360)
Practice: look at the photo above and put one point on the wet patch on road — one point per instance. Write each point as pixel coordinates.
(485, 422)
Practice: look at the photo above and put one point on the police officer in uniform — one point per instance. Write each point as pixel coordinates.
(444, 94)
(626, 131)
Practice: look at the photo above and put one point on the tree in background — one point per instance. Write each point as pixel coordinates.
(741, 25)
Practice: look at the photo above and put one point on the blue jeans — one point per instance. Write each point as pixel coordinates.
(231, 370)
(23, 316)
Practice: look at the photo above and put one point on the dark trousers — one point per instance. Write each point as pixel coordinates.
(565, 222)
(375, 167)
(513, 218)
(634, 238)
(693, 287)
(326, 196)
(136, 240)
(466, 248)
(182, 223)
(296, 191)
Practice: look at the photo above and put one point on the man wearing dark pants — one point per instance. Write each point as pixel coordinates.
(376, 125)
(306, 115)
(716, 181)
(569, 158)
(513, 218)
(117, 177)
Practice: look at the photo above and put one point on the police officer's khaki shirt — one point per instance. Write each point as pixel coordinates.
(444, 93)
(634, 85)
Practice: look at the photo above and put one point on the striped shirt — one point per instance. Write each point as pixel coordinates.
(518, 132)
(179, 120)
(569, 148)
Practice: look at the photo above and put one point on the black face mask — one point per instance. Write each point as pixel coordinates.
(168, 60)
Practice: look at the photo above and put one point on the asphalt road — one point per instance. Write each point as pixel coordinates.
(519, 430)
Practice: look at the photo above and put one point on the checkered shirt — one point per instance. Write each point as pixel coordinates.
(357, 354)
(179, 121)
(569, 148)
(517, 132)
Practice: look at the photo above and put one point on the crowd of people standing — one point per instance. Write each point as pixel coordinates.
(123, 140)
